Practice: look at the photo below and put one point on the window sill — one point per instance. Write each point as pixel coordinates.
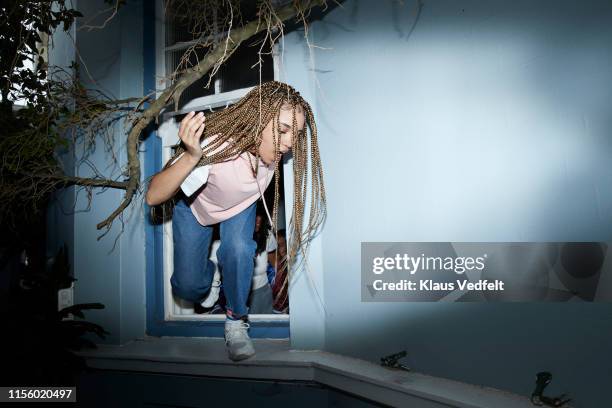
(275, 360)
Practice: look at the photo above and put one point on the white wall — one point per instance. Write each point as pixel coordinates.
(482, 121)
(307, 292)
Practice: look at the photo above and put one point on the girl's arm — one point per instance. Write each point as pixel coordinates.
(166, 183)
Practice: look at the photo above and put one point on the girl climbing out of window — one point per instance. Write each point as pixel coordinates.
(222, 167)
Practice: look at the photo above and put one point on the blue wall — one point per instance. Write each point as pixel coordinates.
(481, 121)
(110, 60)
(60, 225)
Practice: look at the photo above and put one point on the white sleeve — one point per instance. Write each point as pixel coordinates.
(196, 179)
(271, 242)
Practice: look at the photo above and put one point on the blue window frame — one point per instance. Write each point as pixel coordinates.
(157, 324)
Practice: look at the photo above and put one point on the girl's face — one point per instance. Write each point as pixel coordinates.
(266, 148)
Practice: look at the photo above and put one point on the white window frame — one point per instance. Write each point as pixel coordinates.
(177, 309)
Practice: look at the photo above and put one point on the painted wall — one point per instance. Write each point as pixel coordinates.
(478, 121)
(60, 226)
(481, 121)
(307, 292)
(110, 270)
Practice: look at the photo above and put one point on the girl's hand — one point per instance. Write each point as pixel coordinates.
(190, 131)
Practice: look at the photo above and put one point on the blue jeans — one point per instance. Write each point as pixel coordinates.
(194, 271)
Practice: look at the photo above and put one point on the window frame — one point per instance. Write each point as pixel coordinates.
(171, 316)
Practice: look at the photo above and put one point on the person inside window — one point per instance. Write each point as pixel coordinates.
(221, 168)
(261, 298)
(278, 273)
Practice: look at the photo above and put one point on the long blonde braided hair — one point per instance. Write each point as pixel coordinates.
(241, 125)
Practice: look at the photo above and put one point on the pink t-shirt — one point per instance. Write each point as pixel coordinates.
(230, 189)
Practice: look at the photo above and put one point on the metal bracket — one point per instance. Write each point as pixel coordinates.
(542, 380)
(391, 361)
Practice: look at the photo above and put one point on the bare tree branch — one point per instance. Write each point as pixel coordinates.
(114, 10)
(65, 181)
(64, 115)
(219, 54)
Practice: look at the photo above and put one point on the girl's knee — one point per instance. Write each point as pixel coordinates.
(188, 288)
(237, 249)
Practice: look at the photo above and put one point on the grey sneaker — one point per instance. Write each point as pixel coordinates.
(237, 341)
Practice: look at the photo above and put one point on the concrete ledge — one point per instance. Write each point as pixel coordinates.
(276, 361)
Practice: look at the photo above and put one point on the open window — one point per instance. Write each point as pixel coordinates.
(232, 81)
